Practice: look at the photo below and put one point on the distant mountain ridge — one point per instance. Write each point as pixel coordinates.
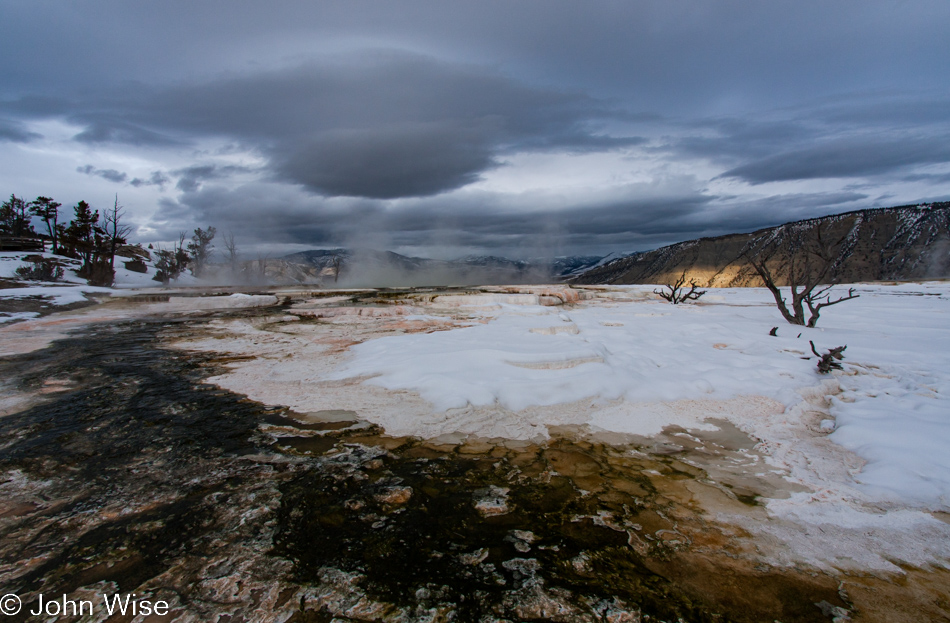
(359, 268)
(900, 243)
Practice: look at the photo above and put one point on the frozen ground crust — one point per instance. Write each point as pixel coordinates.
(33, 333)
(831, 523)
(620, 361)
(10, 261)
(638, 359)
(638, 366)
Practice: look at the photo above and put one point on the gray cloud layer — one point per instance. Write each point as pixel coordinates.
(381, 125)
(680, 210)
(107, 174)
(858, 156)
(15, 132)
(370, 116)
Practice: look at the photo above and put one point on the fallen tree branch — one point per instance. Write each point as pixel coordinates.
(829, 361)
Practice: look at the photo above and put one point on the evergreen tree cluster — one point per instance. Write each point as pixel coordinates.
(95, 239)
(171, 263)
(15, 217)
(88, 237)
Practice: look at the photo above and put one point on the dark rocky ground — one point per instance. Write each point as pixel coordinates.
(39, 305)
(135, 476)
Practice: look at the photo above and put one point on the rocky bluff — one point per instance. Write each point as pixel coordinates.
(899, 243)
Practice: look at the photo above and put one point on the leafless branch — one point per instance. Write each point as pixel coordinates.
(804, 276)
(676, 294)
(116, 233)
(231, 247)
(829, 361)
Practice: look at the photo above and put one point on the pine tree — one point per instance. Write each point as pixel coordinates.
(15, 218)
(80, 239)
(48, 210)
(200, 249)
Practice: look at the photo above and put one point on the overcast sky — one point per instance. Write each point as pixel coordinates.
(434, 128)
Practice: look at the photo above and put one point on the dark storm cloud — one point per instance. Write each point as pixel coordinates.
(846, 157)
(113, 131)
(887, 109)
(344, 136)
(476, 221)
(387, 125)
(932, 178)
(849, 138)
(740, 214)
(732, 139)
(107, 174)
(172, 218)
(191, 178)
(592, 142)
(385, 163)
(657, 55)
(679, 212)
(380, 125)
(15, 132)
(157, 178)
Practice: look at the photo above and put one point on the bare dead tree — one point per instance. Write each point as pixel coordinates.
(262, 267)
(336, 268)
(826, 362)
(806, 270)
(181, 256)
(231, 247)
(116, 233)
(676, 294)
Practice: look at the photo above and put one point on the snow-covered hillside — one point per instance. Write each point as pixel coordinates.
(71, 288)
(10, 261)
(899, 243)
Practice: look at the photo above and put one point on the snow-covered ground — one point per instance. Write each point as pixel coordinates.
(890, 405)
(71, 288)
(124, 278)
(864, 450)
(58, 294)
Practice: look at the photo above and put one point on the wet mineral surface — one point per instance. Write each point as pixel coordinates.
(132, 475)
